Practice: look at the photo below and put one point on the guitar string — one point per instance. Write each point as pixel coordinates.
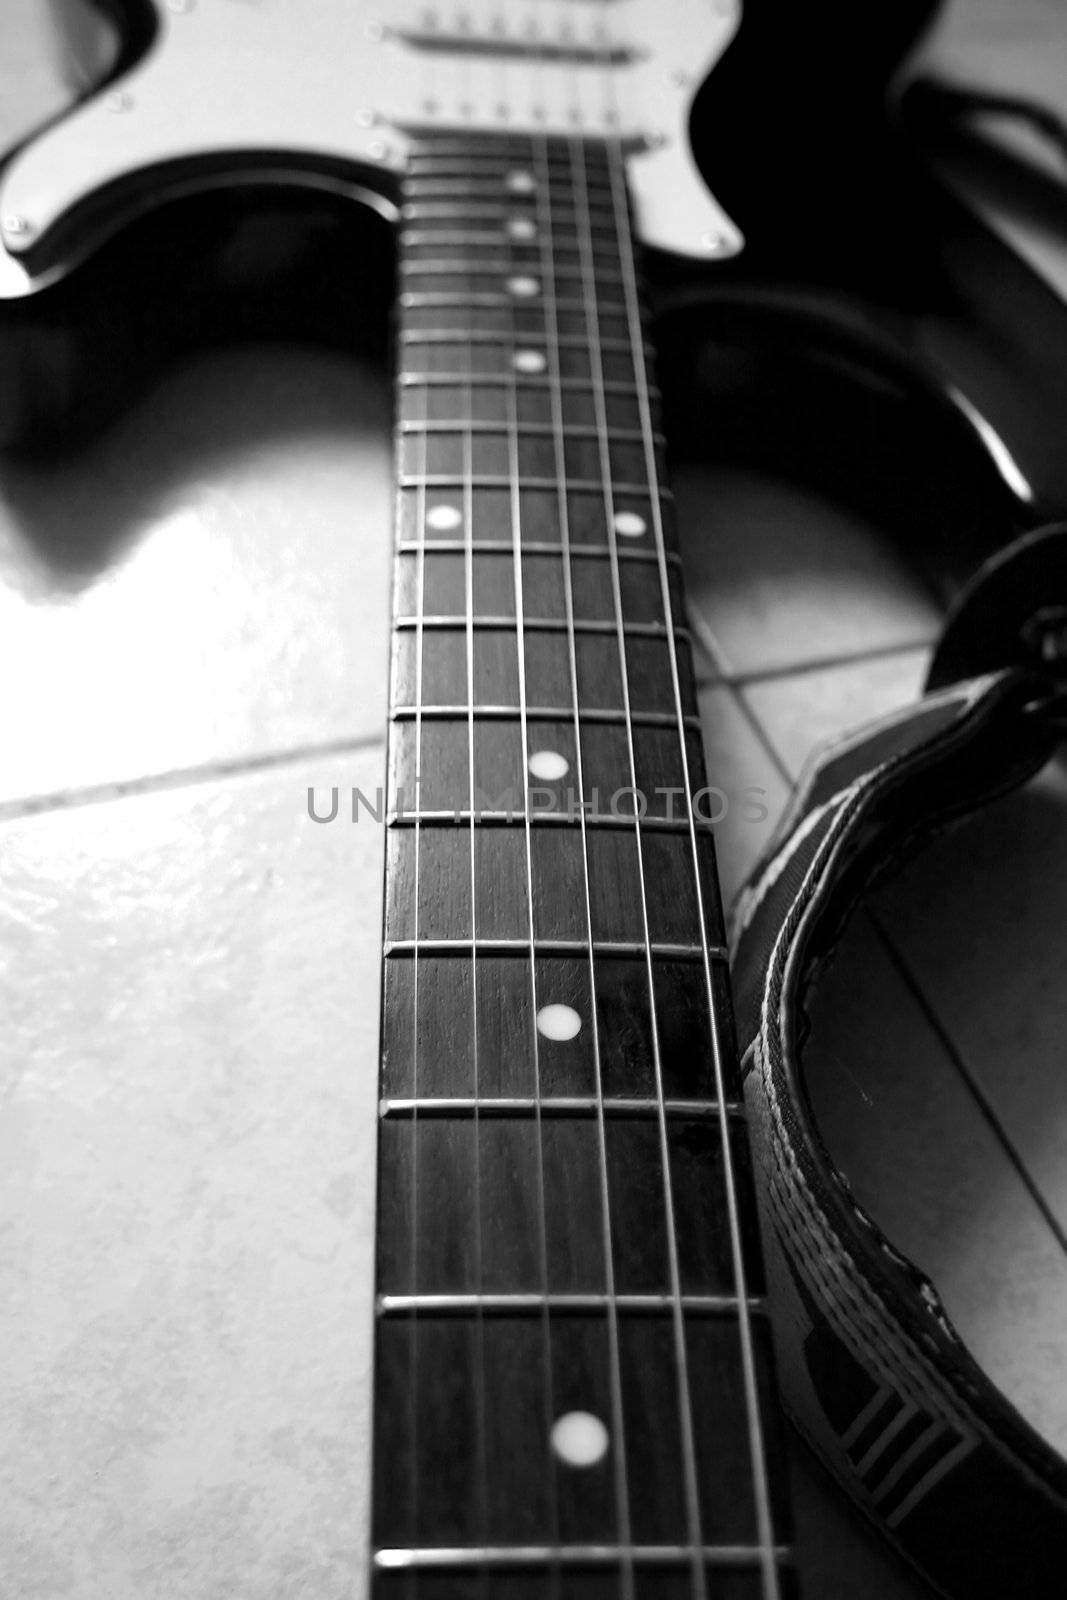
(416, 962)
(580, 172)
(619, 1457)
(764, 1521)
(420, 530)
(547, 1382)
(480, 1388)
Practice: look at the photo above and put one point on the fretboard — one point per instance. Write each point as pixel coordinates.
(572, 1389)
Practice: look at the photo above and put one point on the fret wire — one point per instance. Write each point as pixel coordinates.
(552, 1105)
(752, 1404)
(548, 1387)
(474, 336)
(445, 623)
(448, 267)
(535, 547)
(414, 299)
(485, 480)
(481, 210)
(482, 380)
(467, 157)
(593, 1555)
(618, 1433)
(536, 430)
(559, 947)
(639, 719)
(692, 1499)
(460, 239)
(392, 1305)
(542, 819)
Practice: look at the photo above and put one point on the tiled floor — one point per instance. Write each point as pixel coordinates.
(193, 631)
(190, 979)
(189, 1084)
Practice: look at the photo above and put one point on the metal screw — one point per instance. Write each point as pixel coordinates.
(18, 227)
(379, 149)
(714, 243)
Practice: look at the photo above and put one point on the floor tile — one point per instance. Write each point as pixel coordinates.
(901, 1124)
(189, 982)
(781, 578)
(752, 791)
(209, 582)
(980, 919)
(799, 712)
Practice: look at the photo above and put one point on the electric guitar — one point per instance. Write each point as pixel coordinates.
(574, 1383)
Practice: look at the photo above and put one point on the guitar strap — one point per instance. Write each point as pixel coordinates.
(871, 1368)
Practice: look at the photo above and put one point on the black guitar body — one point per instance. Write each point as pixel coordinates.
(834, 350)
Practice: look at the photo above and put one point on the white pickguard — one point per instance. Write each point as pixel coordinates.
(355, 82)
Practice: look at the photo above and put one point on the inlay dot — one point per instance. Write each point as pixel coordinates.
(444, 518)
(559, 1023)
(523, 287)
(549, 765)
(580, 1439)
(520, 182)
(521, 228)
(629, 524)
(528, 361)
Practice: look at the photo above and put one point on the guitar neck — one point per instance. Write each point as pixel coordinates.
(572, 1385)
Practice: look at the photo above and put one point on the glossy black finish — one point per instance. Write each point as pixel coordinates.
(866, 293)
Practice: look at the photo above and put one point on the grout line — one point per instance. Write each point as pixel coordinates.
(180, 777)
(978, 1094)
(722, 676)
(799, 669)
(705, 637)
(763, 737)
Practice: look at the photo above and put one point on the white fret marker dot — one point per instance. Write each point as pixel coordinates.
(549, 765)
(521, 228)
(559, 1023)
(443, 518)
(629, 524)
(523, 287)
(528, 361)
(580, 1439)
(521, 182)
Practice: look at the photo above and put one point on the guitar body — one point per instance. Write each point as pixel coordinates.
(223, 238)
(241, 177)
